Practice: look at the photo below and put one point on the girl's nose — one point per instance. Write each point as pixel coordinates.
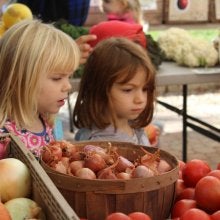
(140, 96)
(67, 86)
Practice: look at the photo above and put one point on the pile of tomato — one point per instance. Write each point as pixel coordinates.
(197, 192)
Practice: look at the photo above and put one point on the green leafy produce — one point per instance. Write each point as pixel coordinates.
(154, 51)
(72, 30)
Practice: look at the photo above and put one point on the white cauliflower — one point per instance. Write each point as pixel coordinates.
(182, 48)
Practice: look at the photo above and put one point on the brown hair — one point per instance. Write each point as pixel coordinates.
(112, 59)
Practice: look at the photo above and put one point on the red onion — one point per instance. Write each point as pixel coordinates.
(123, 164)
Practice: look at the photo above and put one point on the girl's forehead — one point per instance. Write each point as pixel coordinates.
(131, 75)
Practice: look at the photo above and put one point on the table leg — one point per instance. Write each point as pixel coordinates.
(184, 114)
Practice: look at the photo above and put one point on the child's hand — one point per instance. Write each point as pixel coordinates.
(84, 46)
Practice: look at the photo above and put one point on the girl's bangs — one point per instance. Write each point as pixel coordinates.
(63, 57)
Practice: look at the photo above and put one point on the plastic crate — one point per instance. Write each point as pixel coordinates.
(44, 192)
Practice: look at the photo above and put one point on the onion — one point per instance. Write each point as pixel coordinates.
(24, 208)
(85, 173)
(76, 165)
(15, 179)
(91, 148)
(123, 164)
(124, 176)
(60, 167)
(94, 162)
(163, 166)
(106, 174)
(142, 171)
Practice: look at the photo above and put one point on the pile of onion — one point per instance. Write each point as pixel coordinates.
(95, 162)
(15, 179)
(15, 188)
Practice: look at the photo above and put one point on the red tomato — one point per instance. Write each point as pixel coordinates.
(139, 216)
(193, 171)
(187, 193)
(195, 214)
(207, 193)
(215, 173)
(180, 186)
(118, 216)
(181, 207)
(216, 215)
(218, 166)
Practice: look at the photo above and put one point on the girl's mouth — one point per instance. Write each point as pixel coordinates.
(61, 102)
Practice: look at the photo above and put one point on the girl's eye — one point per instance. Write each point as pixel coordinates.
(126, 90)
(56, 78)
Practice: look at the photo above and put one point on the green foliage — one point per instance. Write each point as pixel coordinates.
(73, 31)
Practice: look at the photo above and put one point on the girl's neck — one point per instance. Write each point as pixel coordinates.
(37, 125)
(124, 126)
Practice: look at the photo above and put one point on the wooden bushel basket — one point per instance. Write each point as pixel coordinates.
(95, 199)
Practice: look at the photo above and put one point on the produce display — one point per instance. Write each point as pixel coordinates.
(95, 162)
(179, 46)
(197, 192)
(15, 190)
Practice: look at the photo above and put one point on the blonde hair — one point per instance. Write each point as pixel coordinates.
(112, 59)
(132, 6)
(29, 50)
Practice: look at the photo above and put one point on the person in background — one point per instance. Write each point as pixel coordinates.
(123, 10)
(36, 63)
(117, 92)
(74, 11)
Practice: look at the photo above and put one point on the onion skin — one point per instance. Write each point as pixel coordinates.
(15, 179)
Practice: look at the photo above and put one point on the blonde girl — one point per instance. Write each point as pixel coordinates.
(117, 92)
(124, 10)
(36, 63)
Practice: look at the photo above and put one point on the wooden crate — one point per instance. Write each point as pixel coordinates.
(44, 192)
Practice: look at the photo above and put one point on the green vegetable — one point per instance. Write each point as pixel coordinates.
(154, 51)
(72, 30)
